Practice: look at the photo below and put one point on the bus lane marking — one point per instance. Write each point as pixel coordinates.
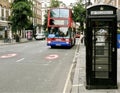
(52, 56)
(8, 55)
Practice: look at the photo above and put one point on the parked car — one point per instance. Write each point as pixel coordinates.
(40, 36)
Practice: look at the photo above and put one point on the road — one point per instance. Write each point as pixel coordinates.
(33, 67)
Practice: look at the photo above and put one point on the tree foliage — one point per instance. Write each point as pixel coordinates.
(21, 13)
(45, 21)
(79, 14)
(53, 4)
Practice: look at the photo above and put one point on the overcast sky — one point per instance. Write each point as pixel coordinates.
(67, 2)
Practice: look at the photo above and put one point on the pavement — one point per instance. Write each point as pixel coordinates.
(79, 81)
(13, 41)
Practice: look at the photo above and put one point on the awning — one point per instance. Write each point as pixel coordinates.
(3, 23)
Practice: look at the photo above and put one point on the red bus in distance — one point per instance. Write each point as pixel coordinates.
(61, 28)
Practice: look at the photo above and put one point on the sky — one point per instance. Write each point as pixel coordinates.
(67, 2)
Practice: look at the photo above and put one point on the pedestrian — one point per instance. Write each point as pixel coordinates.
(81, 37)
(17, 38)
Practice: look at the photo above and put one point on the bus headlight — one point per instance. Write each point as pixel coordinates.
(49, 41)
(67, 42)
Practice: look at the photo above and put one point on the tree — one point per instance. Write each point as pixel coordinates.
(79, 14)
(21, 13)
(45, 21)
(53, 4)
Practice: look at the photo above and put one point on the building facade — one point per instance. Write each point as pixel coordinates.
(4, 17)
(37, 14)
(39, 8)
(115, 3)
(44, 8)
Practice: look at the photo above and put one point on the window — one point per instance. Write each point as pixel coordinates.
(2, 13)
(7, 14)
(62, 13)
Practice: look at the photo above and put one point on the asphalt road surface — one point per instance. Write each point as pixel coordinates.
(33, 67)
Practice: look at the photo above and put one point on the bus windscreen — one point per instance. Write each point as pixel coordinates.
(59, 13)
(60, 32)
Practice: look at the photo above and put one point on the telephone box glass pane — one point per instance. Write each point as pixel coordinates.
(101, 36)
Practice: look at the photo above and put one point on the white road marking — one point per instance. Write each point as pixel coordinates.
(69, 74)
(8, 55)
(20, 59)
(79, 85)
(45, 64)
(52, 56)
(66, 83)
